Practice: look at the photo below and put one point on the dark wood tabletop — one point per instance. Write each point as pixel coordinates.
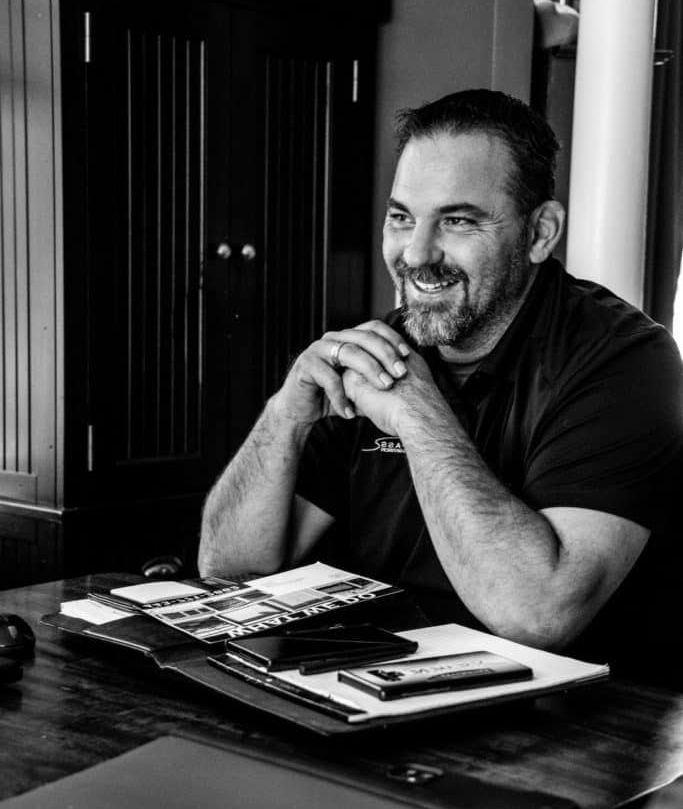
(81, 702)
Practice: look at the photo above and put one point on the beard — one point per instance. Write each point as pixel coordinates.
(447, 323)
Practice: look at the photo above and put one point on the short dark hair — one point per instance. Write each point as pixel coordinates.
(527, 135)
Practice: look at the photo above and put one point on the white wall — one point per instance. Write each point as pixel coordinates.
(430, 48)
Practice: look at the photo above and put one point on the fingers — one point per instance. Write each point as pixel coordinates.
(337, 402)
(353, 382)
(314, 388)
(385, 331)
(315, 379)
(372, 349)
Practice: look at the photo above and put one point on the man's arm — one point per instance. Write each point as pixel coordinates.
(535, 577)
(252, 523)
(249, 524)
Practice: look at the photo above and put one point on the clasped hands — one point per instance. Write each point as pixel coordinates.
(368, 371)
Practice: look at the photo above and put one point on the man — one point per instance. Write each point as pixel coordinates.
(505, 444)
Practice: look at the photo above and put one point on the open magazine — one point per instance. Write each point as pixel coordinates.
(215, 609)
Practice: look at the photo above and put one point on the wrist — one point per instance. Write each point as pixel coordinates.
(428, 413)
(284, 421)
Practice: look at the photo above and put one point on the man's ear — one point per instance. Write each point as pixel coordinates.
(547, 225)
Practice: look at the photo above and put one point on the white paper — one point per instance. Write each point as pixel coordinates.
(550, 670)
(300, 578)
(154, 591)
(95, 613)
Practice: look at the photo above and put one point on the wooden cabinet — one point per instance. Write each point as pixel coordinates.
(208, 203)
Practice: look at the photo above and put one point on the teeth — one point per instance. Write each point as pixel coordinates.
(424, 287)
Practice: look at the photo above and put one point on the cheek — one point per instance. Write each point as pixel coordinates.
(391, 249)
(488, 273)
(466, 253)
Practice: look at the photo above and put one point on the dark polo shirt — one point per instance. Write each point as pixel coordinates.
(579, 404)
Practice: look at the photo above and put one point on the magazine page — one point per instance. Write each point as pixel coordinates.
(267, 602)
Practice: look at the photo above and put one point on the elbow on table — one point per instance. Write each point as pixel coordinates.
(217, 556)
(208, 561)
(551, 630)
(544, 638)
(556, 614)
(207, 567)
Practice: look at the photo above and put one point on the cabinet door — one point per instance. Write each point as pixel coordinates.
(210, 176)
(300, 190)
(154, 82)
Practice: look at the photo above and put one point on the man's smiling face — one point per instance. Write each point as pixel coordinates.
(454, 242)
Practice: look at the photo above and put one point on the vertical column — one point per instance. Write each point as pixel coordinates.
(610, 144)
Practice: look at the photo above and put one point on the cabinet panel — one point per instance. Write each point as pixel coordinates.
(159, 310)
(297, 96)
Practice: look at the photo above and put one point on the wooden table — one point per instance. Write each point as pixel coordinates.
(82, 702)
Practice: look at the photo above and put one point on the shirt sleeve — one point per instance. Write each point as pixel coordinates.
(613, 440)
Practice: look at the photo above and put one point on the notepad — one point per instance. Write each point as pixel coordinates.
(550, 672)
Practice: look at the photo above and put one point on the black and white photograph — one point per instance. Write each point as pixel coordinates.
(336, 338)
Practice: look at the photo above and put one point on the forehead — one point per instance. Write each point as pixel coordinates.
(445, 169)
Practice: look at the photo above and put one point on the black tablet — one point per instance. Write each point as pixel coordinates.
(321, 649)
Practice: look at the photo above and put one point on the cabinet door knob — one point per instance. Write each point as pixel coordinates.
(248, 252)
(224, 251)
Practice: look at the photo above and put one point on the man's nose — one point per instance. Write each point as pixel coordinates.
(423, 248)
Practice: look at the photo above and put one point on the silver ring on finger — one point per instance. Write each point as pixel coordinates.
(334, 354)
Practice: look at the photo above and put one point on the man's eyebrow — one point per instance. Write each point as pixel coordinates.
(463, 207)
(455, 207)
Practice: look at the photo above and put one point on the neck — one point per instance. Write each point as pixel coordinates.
(481, 342)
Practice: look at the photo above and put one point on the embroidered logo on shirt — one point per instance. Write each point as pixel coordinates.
(387, 443)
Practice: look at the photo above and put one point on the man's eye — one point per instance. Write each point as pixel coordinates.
(457, 221)
(398, 217)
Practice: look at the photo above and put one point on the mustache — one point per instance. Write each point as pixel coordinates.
(430, 273)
